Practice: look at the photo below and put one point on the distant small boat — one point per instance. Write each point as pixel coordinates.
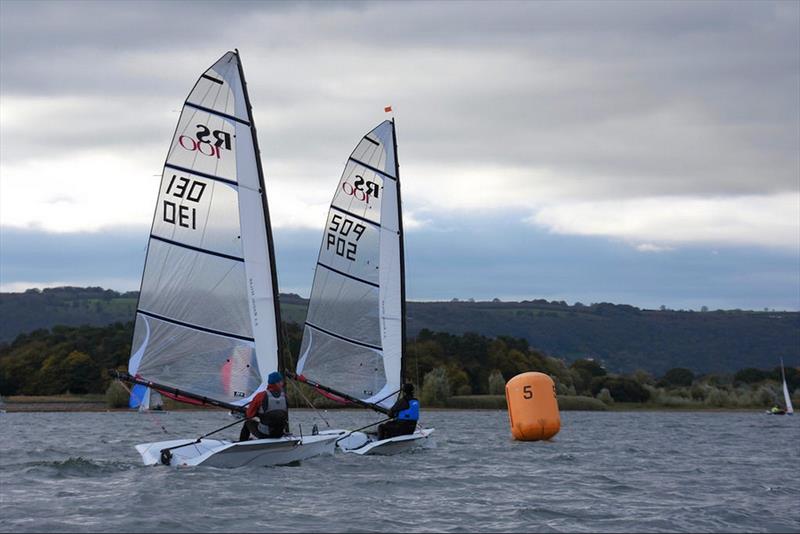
(787, 399)
(145, 399)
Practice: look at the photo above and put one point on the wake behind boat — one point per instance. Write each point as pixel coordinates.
(353, 346)
(208, 322)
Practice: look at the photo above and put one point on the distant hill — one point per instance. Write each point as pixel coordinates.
(624, 337)
(68, 306)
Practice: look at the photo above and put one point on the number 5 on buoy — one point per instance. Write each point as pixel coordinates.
(532, 407)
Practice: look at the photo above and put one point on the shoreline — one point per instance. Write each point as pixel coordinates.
(97, 404)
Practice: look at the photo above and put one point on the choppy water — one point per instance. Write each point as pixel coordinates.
(604, 472)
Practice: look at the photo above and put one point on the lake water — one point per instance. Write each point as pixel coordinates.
(635, 471)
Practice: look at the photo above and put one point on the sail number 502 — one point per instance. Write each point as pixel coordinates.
(340, 233)
(185, 189)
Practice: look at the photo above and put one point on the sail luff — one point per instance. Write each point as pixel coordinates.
(267, 220)
(402, 258)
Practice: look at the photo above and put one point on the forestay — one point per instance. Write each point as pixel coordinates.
(353, 336)
(207, 313)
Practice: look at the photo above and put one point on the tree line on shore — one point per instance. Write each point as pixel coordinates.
(624, 337)
(446, 368)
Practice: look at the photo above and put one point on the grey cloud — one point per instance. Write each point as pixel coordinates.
(465, 257)
(615, 99)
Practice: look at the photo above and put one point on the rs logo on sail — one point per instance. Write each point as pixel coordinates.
(201, 142)
(361, 189)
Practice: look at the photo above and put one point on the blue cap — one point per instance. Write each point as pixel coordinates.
(274, 378)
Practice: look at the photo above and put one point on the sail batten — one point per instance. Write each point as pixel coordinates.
(343, 338)
(206, 317)
(370, 167)
(352, 336)
(197, 249)
(350, 276)
(355, 216)
(218, 113)
(194, 326)
(202, 174)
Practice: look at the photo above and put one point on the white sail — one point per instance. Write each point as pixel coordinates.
(353, 336)
(144, 404)
(207, 312)
(152, 401)
(786, 397)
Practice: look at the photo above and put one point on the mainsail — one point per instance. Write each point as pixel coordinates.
(786, 397)
(353, 338)
(207, 321)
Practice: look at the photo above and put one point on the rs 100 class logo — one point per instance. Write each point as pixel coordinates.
(207, 141)
(361, 189)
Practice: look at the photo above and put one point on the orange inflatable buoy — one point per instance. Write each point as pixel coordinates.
(532, 407)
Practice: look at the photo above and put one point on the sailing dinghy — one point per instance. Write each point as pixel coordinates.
(787, 399)
(145, 399)
(208, 322)
(354, 335)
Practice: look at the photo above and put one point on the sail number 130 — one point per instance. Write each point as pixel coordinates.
(184, 189)
(340, 233)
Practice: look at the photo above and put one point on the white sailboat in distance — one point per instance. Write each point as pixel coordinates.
(207, 325)
(354, 336)
(787, 399)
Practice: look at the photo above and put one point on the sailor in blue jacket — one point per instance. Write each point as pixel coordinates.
(405, 413)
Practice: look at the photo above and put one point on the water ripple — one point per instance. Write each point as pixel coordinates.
(609, 472)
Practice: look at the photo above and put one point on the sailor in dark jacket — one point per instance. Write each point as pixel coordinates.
(268, 413)
(405, 413)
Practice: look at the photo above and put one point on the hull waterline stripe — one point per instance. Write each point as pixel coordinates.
(195, 327)
(211, 78)
(373, 169)
(219, 113)
(337, 336)
(201, 174)
(350, 276)
(196, 249)
(351, 214)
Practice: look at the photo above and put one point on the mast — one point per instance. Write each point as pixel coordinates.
(402, 261)
(267, 223)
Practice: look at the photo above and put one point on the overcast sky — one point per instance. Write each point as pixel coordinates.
(633, 152)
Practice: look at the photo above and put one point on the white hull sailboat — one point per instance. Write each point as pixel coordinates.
(354, 336)
(787, 399)
(363, 443)
(208, 326)
(228, 454)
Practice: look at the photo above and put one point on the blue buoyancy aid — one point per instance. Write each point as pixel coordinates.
(411, 413)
